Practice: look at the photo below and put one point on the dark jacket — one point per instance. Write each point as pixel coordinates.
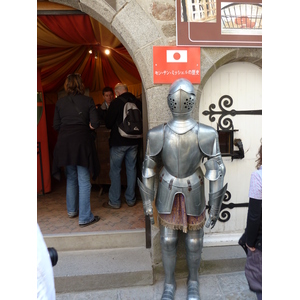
(114, 118)
(254, 224)
(75, 144)
(102, 111)
(253, 232)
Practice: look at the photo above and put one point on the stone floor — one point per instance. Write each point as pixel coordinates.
(53, 219)
(226, 286)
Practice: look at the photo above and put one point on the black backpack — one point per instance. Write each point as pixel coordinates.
(132, 125)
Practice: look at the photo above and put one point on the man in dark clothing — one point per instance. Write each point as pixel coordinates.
(121, 148)
(108, 96)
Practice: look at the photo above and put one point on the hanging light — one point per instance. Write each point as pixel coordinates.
(90, 51)
(107, 51)
(96, 56)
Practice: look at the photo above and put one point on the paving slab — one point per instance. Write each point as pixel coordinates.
(78, 271)
(226, 286)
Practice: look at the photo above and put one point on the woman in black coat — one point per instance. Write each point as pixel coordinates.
(75, 115)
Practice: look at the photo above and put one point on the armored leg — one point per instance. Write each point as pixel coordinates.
(168, 242)
(194, 244)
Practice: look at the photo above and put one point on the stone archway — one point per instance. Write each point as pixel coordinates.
(137, 31)
(130, 24)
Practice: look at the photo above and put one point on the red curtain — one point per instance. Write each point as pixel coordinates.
(63, 44)
(43, 164)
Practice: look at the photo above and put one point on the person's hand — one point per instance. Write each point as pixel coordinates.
(91, 126)
(252, 249)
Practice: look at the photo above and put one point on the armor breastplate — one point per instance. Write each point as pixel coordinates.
(181, 155)
(181, 173)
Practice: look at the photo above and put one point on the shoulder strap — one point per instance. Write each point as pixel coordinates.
(76, 107)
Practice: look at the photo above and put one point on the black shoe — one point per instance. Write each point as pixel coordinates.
(95, 220)
(107, 205)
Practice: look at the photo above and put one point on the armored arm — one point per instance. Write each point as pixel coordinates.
(215, 171)
(149, 170)
(147, 186)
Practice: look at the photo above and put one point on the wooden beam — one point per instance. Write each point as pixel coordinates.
(45, 8)
(45, 5)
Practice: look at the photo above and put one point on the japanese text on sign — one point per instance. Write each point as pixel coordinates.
(171, 63)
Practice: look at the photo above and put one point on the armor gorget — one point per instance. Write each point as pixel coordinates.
(180, 126)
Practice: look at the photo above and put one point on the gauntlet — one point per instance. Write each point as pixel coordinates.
(215, 203)
(147, 198)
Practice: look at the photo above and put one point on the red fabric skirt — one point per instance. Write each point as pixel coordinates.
(178, 219)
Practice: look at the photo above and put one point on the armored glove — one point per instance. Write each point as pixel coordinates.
(147, 198)
(215, 203)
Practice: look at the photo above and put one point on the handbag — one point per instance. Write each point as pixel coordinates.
(92, 131)
(242, 242)
(253, 270)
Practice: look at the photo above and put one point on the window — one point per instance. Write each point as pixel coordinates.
(226, 142)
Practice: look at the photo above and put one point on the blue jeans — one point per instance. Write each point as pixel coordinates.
(78, 193)
(117, 154)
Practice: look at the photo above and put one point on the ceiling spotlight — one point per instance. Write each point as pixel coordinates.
(107, 51)
(90, 51)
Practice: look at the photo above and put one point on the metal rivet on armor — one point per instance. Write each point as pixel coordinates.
(171, 184)
(160, 178)
(189, 185)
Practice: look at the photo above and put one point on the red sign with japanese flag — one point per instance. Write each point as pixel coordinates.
(171, 63)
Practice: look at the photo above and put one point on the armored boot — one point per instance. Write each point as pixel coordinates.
(194, 244)
(168, 241)
(193, 290)
(169, 291)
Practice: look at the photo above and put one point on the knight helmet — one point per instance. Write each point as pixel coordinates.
(181, 97)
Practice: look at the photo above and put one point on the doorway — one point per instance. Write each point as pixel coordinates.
(70, 41)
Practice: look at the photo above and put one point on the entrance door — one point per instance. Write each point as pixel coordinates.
(241, 111)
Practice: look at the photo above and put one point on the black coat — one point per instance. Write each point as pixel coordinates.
(253, 232)
(75, 143)
(114, 118)
(254, 224)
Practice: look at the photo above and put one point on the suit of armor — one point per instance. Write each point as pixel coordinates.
(175, 151)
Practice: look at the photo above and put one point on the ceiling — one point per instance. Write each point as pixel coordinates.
(63, 44)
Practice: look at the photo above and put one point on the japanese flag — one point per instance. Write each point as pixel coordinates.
(177, 56)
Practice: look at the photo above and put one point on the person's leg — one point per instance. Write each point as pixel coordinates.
(130, 163)
(194, 244)
(72, 191)
(85, 214)
(168, 242)
(116, 158)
